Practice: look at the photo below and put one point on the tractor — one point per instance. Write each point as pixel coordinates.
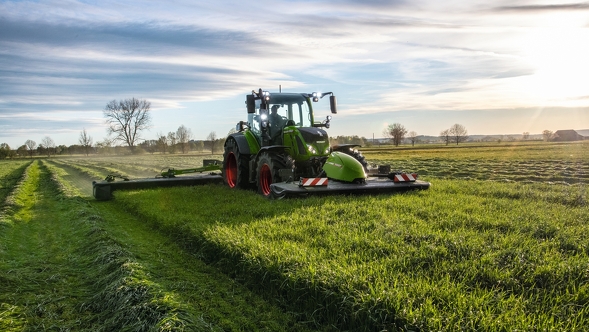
(282, 149)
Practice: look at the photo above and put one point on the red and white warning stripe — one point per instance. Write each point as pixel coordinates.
(313, 182)
(405, 177)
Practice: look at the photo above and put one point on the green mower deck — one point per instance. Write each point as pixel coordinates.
(372, 186)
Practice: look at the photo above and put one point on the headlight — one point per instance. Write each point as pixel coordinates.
(311, 149)
(264, 116)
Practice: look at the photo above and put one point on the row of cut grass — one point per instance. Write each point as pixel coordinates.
(465, 255)
(11, 172)
(197, 296)
(517, 151)
(60, 270)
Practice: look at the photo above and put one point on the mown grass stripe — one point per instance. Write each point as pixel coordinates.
(53, 256)
(199, 296)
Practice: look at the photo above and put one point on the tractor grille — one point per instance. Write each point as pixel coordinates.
(318, 138)
(314, 135)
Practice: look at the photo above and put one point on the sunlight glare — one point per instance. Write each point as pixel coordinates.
(562, 70)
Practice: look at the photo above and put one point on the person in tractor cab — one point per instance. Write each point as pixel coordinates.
(276, 124)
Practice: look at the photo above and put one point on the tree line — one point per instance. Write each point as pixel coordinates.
(396, 132)
(127, 119)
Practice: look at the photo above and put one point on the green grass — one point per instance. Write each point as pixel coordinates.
(471, 255)
(59, 270)
(468, 254)
(528, 162)
(11, 172)
(71, 264)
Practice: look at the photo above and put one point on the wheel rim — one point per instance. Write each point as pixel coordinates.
(231, 170)
(265, 179)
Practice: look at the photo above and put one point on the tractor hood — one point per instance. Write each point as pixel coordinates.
(316, 141)
(343, 167)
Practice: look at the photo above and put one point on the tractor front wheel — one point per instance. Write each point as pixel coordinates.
(235, 166)
(269, 165)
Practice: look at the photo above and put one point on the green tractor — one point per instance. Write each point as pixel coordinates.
(281, 149)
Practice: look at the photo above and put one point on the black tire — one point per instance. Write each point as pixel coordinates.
(267, 171)
(235, 166)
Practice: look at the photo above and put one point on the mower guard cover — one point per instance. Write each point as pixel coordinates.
(372, 186)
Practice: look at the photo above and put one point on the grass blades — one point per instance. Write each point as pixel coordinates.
(497, 243)
(58, 270)
(464, 255)
(11, 173)
(67, 263)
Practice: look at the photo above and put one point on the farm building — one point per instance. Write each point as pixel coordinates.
(567, 136)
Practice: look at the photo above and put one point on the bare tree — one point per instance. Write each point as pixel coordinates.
(547, 135)
(22, 150)
(105, 146)
(396, 132)
(5, 151)
(212, 137)
(172, 140)
(127, 119)
(412, 137)
(526, 135)
(49, 145)
(162, 143)
(445, 136)
(31, 146)
(183, 135)
(85, 141)
(458, 133)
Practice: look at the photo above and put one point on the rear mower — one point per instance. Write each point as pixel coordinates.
(102, 190)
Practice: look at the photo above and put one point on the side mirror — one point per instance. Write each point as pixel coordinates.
(250, 101)
(333, 104)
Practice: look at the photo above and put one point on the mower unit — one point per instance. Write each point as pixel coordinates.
(102, 190)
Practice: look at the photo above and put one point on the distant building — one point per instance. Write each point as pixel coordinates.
(567, 136)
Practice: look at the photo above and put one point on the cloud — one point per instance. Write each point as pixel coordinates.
(544, 8)
(189, 57)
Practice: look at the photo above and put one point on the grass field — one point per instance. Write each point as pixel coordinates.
(497, 244)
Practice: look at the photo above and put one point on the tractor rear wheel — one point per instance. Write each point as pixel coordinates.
(235, 166)
(269, 165)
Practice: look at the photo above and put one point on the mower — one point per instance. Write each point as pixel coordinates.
(281, 151)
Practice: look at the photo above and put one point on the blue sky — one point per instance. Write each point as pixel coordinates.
(497, 67)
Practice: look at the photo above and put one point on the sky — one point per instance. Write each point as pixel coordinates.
(496, 67)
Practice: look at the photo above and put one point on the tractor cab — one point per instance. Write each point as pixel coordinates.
(270, 116)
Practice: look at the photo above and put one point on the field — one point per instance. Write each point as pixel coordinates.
(498, 243)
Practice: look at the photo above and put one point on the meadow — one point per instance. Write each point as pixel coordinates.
(496, 244)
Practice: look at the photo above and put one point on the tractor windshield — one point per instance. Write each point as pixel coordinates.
(285, 109)
(292, 106)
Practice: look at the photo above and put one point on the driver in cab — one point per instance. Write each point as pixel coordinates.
(276, 123)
